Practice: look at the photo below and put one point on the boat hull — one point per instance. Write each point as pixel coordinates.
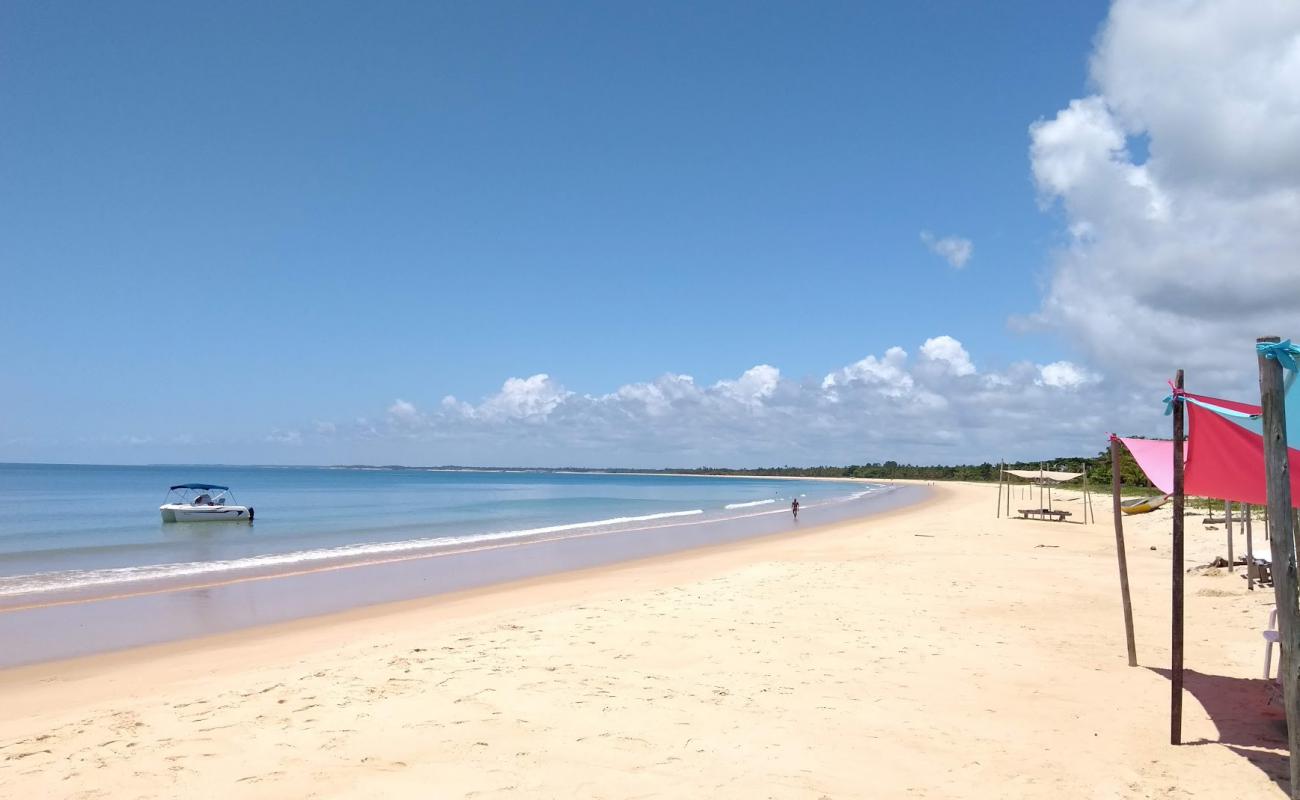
(176, 512)
(1143, 506)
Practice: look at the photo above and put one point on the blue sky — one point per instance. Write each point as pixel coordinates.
(225, 225)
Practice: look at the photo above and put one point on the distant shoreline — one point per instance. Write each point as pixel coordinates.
(262, 596)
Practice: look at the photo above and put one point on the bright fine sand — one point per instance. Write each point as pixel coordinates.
(930, 652)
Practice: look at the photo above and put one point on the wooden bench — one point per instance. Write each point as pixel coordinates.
(1043, 513)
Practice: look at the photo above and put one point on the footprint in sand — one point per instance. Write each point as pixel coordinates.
(386, 766)
(259, 778)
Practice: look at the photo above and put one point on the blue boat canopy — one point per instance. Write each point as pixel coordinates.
(205, 486)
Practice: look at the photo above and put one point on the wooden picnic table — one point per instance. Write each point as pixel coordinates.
(1043, 513)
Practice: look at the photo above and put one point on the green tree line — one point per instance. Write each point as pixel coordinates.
(1097, 468)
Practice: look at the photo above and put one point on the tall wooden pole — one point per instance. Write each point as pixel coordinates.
(1000, 474)
(1250, 553)
(1176, 634)
(1281, 542)
(1123, 556)
(1227, 521)
(1087, 497)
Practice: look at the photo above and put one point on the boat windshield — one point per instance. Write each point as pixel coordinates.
(199, 494)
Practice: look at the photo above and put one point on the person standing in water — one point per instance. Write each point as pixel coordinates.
(794, 508)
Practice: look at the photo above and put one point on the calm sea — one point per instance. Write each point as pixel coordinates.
(96, 531)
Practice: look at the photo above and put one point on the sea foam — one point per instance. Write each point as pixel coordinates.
(72, 580)
(749, 504)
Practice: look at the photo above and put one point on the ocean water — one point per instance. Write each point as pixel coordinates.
(95, 531)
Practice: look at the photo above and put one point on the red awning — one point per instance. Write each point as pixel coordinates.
(1226, 460)
(1222, 458)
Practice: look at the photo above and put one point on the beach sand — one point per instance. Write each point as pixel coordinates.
(933, 651)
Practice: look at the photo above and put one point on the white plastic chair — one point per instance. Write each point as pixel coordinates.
(1271, 637)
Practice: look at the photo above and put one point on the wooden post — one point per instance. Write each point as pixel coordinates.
(1176, 632)
(1049, 493)
(1231, 561)
(1123, 556)
(1227, 526)
(1250, 553)
(1000, 471)
(1281, 542)
(1087, 498)
(1040, 487)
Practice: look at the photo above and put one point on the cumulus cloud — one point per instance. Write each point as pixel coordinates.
(1184, 256)
(532, 399)
(1064, 375)
(403, 413)
(753, 387)
(289, 437)
(935, 407)
(953, 249)
(888, 373)
(949, 352)
(658, 397)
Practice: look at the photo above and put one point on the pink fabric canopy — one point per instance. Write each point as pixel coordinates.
(1156, 458)
(1222, 459)
(1225, 459)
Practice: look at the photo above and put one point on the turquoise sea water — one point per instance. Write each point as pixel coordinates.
(96, 530)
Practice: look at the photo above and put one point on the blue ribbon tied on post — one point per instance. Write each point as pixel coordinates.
(1283, 352)
(1175, 395)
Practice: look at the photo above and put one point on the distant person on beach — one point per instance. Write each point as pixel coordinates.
(794, 508)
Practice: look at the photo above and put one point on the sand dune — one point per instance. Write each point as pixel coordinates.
(932, 652)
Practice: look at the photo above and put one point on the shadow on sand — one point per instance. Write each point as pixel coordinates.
(1247, 724)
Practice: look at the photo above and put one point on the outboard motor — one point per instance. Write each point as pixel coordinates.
(250, 513)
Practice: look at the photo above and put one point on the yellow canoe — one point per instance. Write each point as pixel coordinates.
(1143, 505)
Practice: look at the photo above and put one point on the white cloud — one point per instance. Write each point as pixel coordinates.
(753, 387)
(658, 397)
(290, 437)
(954, 249)
(889, 373)
(936, 408)
(1183, 258)
(1064, 375)
(403, 410)
(949, 352)
(403, 414)
(532, 398)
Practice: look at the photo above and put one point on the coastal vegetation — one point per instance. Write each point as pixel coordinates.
(1097, 468)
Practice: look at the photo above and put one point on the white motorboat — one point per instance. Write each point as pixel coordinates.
(202, 502)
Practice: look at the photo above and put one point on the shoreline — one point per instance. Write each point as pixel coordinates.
(81, 577)
(456, 602)
(104, 623)
(932, 650)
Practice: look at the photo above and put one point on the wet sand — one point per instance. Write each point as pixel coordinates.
(56, 627)
(933, 651)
